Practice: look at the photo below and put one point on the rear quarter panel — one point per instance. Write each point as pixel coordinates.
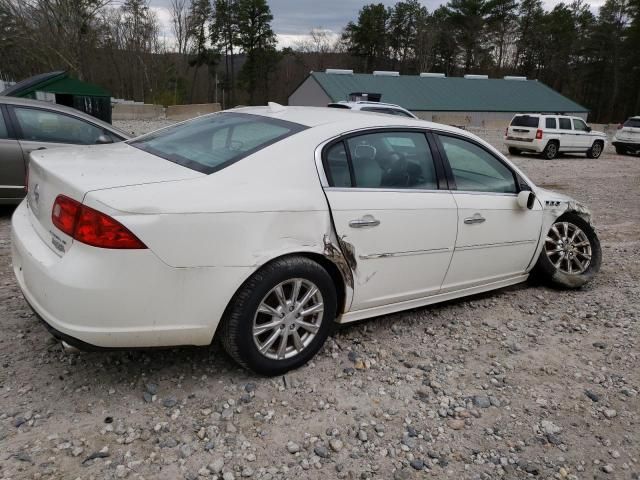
(265, 205)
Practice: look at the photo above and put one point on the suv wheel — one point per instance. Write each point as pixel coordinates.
(551, 150)
(514, 151)
(596, 150)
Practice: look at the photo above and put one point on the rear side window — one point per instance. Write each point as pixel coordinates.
(208, 144)
(525, 121)
(632, 123)
(391, 160)
(551, 123)
(565, 124)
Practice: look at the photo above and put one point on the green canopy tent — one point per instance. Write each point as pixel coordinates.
(83, 96)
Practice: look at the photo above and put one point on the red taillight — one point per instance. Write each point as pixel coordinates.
(539, 135)
(64, 214)
(91, 226)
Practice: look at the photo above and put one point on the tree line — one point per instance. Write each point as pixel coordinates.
(226, 50)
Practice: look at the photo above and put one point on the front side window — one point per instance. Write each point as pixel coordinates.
(565, 123)
(45, 126)
(393, 160)
(551, 123)
(476, 170)
(208, 144)
(579, 125)
(525, 121)
(3, 127)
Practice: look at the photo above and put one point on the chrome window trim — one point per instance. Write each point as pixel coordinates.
(387, 190)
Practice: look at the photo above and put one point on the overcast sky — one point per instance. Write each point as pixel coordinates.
(293, 19)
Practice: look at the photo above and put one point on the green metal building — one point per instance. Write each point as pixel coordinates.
(474, 100)
(65, 90)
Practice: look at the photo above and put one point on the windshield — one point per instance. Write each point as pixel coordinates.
(210, 143)
(525, 121)
(632, 123)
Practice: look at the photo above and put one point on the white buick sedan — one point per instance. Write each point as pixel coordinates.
(266, 225)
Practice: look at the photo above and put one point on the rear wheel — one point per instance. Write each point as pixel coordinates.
(280, 317)
(571, 255)
(514, 151)
(596, 150)
(551, 150)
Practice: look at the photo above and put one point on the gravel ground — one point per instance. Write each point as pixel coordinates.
(521, 382)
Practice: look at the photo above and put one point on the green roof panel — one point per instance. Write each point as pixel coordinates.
(455, 94)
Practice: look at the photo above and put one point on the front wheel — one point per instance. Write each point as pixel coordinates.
(595, 151)
(571, 255)
(280, 317)
(621, 150)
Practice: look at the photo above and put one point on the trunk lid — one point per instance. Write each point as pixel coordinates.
(523, 128)
(76, 171)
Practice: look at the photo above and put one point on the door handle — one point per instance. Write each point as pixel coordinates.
(366, 221)
(41, 148)
(477, 218)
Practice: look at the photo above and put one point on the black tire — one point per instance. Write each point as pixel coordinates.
(546, 272)
(236, 330)
(514, 151)
(596, 150)
(621, 150)
(551, 150)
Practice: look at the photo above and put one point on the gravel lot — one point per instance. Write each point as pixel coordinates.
(522, 382)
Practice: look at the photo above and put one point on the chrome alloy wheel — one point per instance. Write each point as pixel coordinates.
(288, 319)
(568, 248)
(596, 150)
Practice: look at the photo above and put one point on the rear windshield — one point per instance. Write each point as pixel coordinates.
(208, 144)
(633, 123)
(525, 121)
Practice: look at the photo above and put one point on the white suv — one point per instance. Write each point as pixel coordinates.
(627, 138)
(375, 107)
(553, 134)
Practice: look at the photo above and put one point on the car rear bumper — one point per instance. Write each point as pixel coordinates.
(626, 144)
(534, 145)
(118, 298)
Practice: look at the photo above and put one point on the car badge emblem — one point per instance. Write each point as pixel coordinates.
(36, 193)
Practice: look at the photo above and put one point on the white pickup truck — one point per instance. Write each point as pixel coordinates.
(550, 135)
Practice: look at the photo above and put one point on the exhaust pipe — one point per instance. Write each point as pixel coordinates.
(66, 348)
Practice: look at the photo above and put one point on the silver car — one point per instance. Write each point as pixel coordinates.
(27, 125)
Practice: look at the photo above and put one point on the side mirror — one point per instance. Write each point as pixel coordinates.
(588, 128)
(103, 139)
(526, 199)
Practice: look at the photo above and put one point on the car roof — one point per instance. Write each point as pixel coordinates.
(343, 119)
(546, 115)
(28, 102)
(369, 103)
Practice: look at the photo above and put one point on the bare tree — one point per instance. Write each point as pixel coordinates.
(179, 10)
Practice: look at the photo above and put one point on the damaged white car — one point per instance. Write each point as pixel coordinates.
(266, 225)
